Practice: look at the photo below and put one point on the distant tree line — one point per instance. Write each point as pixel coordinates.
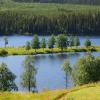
(12, 22)
(60, 41)
(63, 1)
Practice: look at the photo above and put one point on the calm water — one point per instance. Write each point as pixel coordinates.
(50, 75)
(15, 41)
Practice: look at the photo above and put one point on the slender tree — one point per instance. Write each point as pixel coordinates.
(7, 79)
(61, 41)
(28, 45)
(35, 42)
(67, 69)
(43, 43)
(51, 42)
(5, 41)
(29, 74)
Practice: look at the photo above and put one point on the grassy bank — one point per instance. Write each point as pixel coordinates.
(23, 51)
(86, 92)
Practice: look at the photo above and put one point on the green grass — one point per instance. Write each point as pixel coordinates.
(47, 9)
(23, 51)
(88, 92)
(85, 92)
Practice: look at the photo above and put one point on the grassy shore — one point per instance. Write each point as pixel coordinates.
(23, 51)
(85, 92)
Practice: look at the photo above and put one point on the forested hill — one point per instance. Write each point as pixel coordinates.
(49, 18)
(91, 2)
(63, 1)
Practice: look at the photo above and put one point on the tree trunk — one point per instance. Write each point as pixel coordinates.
(29, 87)
(35, 50)
(66, 80)
(61, 49)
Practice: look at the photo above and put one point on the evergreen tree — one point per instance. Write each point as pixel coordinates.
(71, 41)
(29, 74)
(61, 41)
(76, 41)
(51, 41)
(87, 42)
(43, 43)
(35, 42)
(28, 45)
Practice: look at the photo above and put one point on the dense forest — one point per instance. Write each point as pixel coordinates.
(46, 19)
(11, 22)
(63, 1)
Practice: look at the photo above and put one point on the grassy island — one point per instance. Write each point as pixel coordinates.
(23, 51)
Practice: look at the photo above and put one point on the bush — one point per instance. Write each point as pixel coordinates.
(80, 50)
(48, 51)
(3, 52)
(14, 53)
(86, 70)
(87, 43)
(93, 49)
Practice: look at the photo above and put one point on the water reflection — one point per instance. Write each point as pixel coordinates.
(50, 75)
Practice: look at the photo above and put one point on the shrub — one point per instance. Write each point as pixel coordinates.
(86, 70)
(3, 52)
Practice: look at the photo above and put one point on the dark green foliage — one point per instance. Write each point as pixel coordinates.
(43, 43)
(61, 41)
(29, 73)
(71, 41)
(51, 41)
(35, 42)
(3, 52)
(76, 41)
(63, 1)
(86, 70)
(22, 18)
(7, 79)
(87, 42)
(28, 45)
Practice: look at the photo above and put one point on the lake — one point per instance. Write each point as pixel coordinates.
(15, 41)
(50, 75)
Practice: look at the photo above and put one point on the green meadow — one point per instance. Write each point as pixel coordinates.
(85, 92)
(23, 51)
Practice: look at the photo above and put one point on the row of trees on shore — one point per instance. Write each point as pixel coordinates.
(60, 41)
(86, 70)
